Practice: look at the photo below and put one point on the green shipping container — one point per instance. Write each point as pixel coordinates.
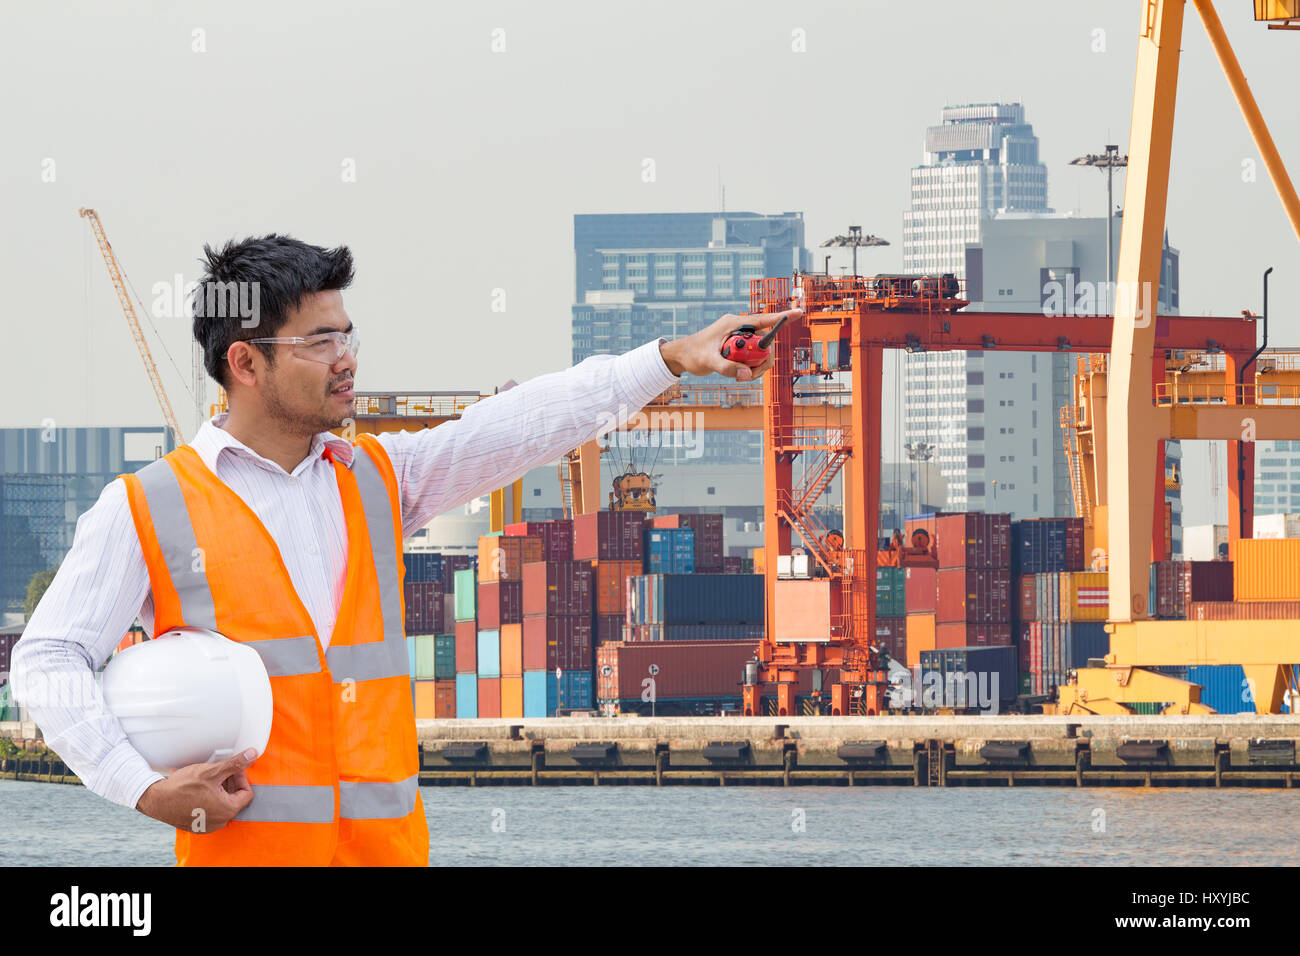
(466, 586)
(444, 657)
(891, 592)
(423, 656)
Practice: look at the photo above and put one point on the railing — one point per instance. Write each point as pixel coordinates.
(715, 396)
(1221, 393)
(807, 438)
(427, 405)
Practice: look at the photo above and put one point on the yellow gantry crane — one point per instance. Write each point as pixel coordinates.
(119, 284)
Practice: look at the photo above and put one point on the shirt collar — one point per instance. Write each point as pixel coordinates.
(212, 441)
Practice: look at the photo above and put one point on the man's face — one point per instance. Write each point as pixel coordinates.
(306, 396)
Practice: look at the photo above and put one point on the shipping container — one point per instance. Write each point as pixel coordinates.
(466, 647)
(760, 560)
(466, 587)
(1223, 687)
(984, 678)
(1243, 611)
(1039, 545)
(1205, 542)
(735, 564)
(489, 654)
(559, 587)
(512, 652)
(572, 690)
(977, 595)
(1277, 526)
(920, 637)
(891, 592)
(444, 657)
(973, 540)
(693, 632)
(466, 696)
(551, 642)
(512, 696)
(607, 627)
(1085, 596)
(502, 559)
(669, 551)
(489, 696)
(696, 598)
(708, 536)
(1174, 585)
(1265, 570)
(922, 590)
(410, 657)
(1085, 640)
(500, 602)
(949, 634)
(424, 657)
(608, 536)
(683, 669)
(422, 566)
(423, 605)
(1027, 592)
(557, 537)
(891, 637)
(435, 699)
(535, 694)
(611, 584)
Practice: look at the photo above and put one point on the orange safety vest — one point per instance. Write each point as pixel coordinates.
(338, 782)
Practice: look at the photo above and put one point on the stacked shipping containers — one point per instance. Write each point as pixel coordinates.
(612, 542)
(691, 607)
(973, 599)
(429, 611)
(1061, 609)
(466, 631)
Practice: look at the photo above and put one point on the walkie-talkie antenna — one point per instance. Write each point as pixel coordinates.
(766, 340)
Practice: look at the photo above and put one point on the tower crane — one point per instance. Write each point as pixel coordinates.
(119, 284)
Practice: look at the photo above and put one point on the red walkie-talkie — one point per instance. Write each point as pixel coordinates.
(744, 345)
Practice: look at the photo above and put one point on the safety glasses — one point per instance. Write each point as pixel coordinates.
(326, 348)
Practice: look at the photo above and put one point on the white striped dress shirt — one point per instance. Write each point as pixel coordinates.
(103, 584)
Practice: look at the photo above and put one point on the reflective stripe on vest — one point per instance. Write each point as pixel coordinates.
(288, 656)
(279, 803)
(176, 539)
(367, 800)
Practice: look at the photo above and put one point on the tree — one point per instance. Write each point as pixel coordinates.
(36, 589)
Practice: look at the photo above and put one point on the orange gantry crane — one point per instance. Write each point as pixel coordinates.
(119, 285)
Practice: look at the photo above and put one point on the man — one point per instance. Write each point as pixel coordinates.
(274, 532)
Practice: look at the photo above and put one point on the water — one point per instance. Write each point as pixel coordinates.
(47, 824)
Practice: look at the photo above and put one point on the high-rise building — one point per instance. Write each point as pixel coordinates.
(642, 275)
(1277, 477)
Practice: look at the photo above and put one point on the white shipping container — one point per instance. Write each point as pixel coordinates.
(801, 566)
(1202, 542)
(1277, 526)
(783, 566)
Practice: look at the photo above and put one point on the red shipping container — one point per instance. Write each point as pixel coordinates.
(1022, 647)
(973, 540)
(1178, 584)
(500, 602)
(891, 637)
(731, 564)
(966, 634)
(501, 558)
(700, 669)
(558, 587)
(708, 537)
(1243, 610)
(466, 647)
(977, 595)
(489, 696)
(611, 585)
(608, 627)
(557, 537)
(1028, 597)
(608, 536)
(921, 594)
(444, 698)
(564, 642)
(423, 603)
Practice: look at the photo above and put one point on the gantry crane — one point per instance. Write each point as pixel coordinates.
(119, 284)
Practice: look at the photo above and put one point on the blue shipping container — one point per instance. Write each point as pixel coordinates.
(705, 632)
(1223, 687)
(670, 551)
(1084, 640)
(535, 693)
(489, 653)
(696, 599)
(466, 696)
(410, 659)
(423, 566)
(574, 690)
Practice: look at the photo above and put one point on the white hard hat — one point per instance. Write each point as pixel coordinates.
(190, 696)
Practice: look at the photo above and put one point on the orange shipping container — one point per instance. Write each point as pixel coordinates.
(611, 584)
(804, 609)
(1085, 595)
(502, 558)
(1265, 569)
(920, 637)
(424, 699)
(760, 560)
(512, 655)
(512, 697)
(444, 699)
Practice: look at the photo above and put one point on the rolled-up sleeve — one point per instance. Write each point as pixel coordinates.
(92, 602)
(499, 439)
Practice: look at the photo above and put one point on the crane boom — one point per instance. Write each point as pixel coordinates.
(119, 284)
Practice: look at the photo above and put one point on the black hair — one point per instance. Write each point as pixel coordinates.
(256, 283)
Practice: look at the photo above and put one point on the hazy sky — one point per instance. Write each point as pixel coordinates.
(470, 164)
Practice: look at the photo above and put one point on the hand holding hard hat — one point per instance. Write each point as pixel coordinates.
(194, 702)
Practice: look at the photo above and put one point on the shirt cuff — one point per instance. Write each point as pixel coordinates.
(123, 776)
(643, 373)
